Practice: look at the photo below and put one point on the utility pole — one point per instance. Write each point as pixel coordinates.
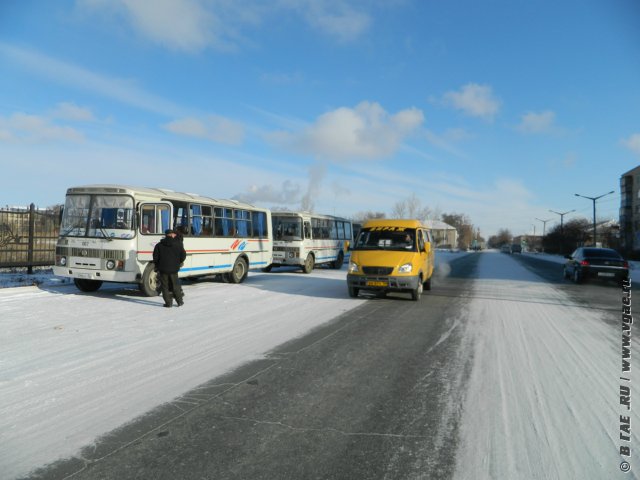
(561, 227)
(544, 230)
(593, 199)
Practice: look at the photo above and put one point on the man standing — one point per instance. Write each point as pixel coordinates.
(168, 256)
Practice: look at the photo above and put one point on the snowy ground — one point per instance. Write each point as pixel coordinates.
(540, 401)
(75, 366)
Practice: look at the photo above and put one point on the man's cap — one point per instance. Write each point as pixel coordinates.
(169, 230)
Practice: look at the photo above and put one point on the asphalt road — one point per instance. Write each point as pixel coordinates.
(375, 394)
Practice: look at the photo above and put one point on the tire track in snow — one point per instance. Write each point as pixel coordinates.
(542, 397)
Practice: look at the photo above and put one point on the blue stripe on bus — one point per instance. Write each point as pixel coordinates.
(214, 267)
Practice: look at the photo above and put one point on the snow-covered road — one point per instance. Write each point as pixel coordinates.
(75, 366)
(541, 401)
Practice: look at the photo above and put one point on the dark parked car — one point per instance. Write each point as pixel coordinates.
(592, 262)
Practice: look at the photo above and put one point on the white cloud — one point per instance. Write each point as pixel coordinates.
(337, 19)
(214, 128)
(23, 128)
(176, 24)
(632, 143)
(193, 25)
(474, 100)
(533, 122)
(71, 111)
(364, 132)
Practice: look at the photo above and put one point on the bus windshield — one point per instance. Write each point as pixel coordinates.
(287, 228)
(98, 216)
(382, 238)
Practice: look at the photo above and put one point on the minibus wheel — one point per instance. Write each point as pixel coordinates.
(427, 284)
(415, 294)
(150, 284)
(85, 285)
(353, 292)
(267, 269)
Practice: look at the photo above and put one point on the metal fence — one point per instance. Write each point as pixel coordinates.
(28, 237)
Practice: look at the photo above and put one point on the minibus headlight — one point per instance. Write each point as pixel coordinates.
(406, 268)
(111, 264)
(353, 267)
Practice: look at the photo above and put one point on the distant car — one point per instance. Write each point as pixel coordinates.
(592, 262)
(505, 249)
(516, 248)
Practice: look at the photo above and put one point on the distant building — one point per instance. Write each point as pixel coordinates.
(444, 235)
(630, 210)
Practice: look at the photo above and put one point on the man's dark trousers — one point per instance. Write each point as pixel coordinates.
(170, 288)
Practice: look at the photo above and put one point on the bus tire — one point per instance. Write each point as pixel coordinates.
(85, 285)
(150, 284)
(267, 269)
(339, 261)
(353, 292)
(239, 272)
(309, 263)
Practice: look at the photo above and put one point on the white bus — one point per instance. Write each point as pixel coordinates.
(305, 239)
(108, 233)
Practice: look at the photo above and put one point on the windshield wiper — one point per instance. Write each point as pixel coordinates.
(104, 233)
(73, 227)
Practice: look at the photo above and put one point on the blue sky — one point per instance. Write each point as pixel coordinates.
(498, 109)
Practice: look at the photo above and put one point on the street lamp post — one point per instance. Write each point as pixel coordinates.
(593, 199)
(544, 230)
(561, 227)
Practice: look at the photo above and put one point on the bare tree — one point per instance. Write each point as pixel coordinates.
(411, 207)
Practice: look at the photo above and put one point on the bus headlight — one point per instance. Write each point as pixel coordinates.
(406, 268)
(111, 264)
(353, 267)
(62, 261)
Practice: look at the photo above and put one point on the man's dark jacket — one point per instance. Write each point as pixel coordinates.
(168, 255)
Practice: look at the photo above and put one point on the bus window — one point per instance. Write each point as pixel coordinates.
(207, 221)
(347, 230)
(196, 219)
(224, 222)
(341, 230)
(154, 219)
(243, 221)
(259, 225)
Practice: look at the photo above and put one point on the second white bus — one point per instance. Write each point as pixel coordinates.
(305, 240)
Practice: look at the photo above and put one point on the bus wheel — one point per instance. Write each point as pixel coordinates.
(85, 285)
(353, 292)
(267, 269)
(338, 263)
(239, 272)
(308, 264)
(415, 294)
(150, 284)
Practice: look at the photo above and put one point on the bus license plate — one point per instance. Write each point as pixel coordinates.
(372, 283)
(605, 274)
